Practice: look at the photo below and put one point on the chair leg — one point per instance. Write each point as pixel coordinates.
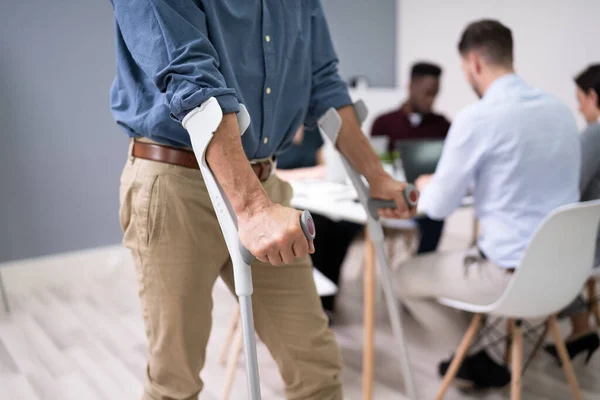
(458, 358)
(232, 363)
(517, 361)
(231, 329)
(592, 298)
(4, 295)
(564, 358)
(539, 343)
(510, 328)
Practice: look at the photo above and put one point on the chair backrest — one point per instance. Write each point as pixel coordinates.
(556, 263)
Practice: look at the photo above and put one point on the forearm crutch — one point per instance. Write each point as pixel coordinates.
(330, 125)
(201, 123)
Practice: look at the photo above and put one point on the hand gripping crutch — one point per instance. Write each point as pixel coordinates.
(201, 123)
(330, 125)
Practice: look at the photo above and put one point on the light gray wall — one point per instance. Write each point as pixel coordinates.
(60, 151)
(364, 35)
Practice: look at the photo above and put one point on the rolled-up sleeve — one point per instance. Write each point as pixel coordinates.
(168, 40)
(455, 171)
(328, 88)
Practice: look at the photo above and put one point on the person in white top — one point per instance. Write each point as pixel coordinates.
(518, 149)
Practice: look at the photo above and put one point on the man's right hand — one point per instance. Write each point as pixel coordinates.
(273, 234)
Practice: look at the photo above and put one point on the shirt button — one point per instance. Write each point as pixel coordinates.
(268, 90)
(267, 38)
(265, 140)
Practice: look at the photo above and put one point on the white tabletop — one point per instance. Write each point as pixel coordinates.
(336, 201)
(339, 202)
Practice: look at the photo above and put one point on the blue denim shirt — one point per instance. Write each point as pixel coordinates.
(303, 154)
(274, 56)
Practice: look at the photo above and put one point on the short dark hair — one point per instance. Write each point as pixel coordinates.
(420, 69)
(489, 37)
(589, 79)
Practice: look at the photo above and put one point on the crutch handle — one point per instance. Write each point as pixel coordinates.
(308, 228)
(411, 196)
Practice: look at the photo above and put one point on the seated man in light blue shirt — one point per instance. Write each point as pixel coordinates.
(517, 148)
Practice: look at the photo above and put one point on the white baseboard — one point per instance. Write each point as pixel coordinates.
(65, 269)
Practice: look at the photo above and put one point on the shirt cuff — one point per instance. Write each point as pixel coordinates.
(426, 206)
(181, 105)
(334, 99)
(229, 103)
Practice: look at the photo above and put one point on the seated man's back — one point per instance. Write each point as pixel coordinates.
(519, 146)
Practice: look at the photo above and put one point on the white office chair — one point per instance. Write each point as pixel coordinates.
(233, 338)
(555, 266)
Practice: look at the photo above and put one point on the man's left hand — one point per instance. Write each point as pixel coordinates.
(387, 188)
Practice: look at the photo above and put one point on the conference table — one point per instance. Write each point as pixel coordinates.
(338, 201)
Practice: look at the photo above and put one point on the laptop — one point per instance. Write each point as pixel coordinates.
(419, 157)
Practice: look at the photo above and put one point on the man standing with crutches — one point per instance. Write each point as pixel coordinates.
(276, 58)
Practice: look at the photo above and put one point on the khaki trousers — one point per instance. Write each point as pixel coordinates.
(178, 249)
(460, 275)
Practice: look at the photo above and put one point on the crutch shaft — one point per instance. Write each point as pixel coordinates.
(247, 320)
(330, 125)
(395, 318)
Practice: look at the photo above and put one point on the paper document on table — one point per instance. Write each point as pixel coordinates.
(325, 287)
(319, 188)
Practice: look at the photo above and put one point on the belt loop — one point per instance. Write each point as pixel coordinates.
(265, 172)
(130, 151)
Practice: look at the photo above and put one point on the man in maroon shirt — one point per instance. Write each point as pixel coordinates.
(415, 120)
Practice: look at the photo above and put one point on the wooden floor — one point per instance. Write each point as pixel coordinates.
(86, 342)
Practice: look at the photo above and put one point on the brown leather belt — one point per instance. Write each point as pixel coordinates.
(187, 159)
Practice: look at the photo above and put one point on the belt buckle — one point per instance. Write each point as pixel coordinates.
(265, 171)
